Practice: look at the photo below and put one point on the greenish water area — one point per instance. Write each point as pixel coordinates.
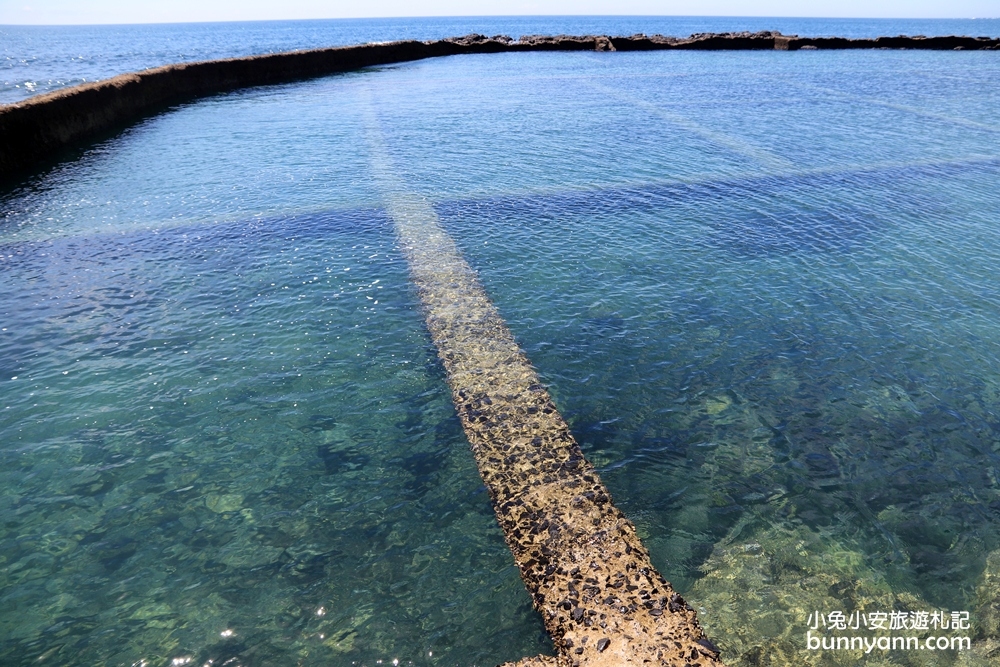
(760, 287)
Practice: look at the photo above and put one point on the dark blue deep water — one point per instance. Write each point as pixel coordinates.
(760, 286)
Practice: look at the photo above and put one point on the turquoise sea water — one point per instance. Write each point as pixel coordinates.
(759, 286)
(37, 59)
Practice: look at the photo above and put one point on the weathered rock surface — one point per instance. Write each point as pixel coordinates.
(536, 661)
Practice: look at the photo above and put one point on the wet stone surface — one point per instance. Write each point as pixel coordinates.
(589, 575)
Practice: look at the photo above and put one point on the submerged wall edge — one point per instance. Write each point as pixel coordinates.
(35, 130)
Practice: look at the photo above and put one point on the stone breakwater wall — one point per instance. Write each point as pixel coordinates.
(36, 129)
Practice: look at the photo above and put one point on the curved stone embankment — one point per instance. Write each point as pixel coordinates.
(36, 129)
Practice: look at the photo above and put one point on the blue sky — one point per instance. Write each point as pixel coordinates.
(130, 11)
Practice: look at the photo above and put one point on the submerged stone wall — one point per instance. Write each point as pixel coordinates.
(37, 129)
(601, 599)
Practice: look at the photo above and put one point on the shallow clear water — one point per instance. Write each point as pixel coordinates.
(759, 286)
(37, 59)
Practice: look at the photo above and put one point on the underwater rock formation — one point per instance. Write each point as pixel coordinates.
(757, 595)
(986, 643)
(793, 545)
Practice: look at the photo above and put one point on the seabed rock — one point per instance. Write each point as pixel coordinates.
(756, 598)
(223, 502)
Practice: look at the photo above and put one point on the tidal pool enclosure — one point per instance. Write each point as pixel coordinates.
(33, 130)
(247, 342)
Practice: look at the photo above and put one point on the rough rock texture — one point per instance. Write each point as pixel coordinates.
(752, 41)
(536, 661)
(601, 599)
(949, 43)
(986, 614)
(36, 129)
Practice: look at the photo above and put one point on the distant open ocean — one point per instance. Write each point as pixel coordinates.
(37, 59)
